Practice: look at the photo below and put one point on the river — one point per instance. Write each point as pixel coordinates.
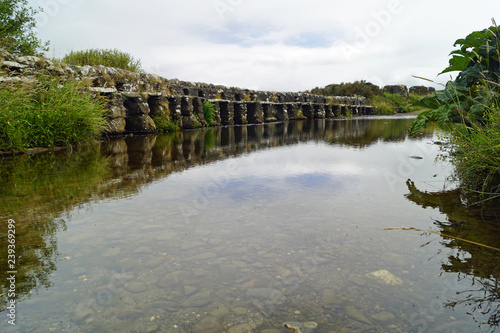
(248, 229)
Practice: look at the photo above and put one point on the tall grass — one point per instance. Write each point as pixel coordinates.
(388, 103)
(47, 113)
(477, 154)
(106, 57)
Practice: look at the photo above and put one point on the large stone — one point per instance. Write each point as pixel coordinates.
(81, 313)
(187, 107)
(158, 105)
(198, 110)
(136, 287)
(306, 327)
(208, 325)
(173, 278)
(384, 316)
(226, 112)
(355, 314)
(198, 300)
(16, 79)
(102, 90)
(386, 277)
(128, 314)
(140, 124)
(6, 55)
(330, 299)
(255, 114)
(397, 89)
(266, 294)
(116, 126)
(11, 65)
(28, 60)
(422, 90)
(240, 113)
(135, 104)
(116, 111)
(190, 122)
(243, 328)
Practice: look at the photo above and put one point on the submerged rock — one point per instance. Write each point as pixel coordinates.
(198, 300)
(297, 327)
(208, 325)
(355, 314)
(129, 314)
(81, 313)
(243, 328)
(330, 299)
(383, 316)
(266, 294)
(386, 277)
(136, 287)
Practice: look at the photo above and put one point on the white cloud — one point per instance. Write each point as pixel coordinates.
(272, 45)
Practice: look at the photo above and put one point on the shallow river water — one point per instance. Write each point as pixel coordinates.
(248, 229)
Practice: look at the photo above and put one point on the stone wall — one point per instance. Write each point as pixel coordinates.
(134, 99)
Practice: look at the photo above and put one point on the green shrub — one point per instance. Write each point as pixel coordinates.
(469, 97)
(469, 108)
(106, 57)
(209, 112)
(164, 124)
(48, 113)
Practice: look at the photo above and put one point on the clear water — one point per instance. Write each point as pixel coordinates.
(243, 229)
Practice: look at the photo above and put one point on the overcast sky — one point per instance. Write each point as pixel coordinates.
(277, 45)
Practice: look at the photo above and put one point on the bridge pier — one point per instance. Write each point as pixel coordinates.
(226, 113)
(281, 112)
(255, 114)
(240, 113)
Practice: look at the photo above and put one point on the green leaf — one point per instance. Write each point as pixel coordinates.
(457, 63)
(428, 102)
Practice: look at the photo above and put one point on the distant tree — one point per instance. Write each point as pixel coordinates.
(17, 23)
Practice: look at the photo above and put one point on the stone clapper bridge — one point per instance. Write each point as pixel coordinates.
(134, 99)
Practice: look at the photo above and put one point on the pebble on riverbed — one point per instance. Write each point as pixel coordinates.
(306, 327)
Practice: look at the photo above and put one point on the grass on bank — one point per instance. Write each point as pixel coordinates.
(388, 103)
(469, 107)
(48, 112)
(477, 154)
(106, 57)
(385, 103)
